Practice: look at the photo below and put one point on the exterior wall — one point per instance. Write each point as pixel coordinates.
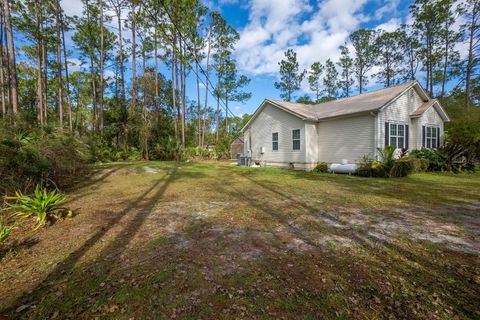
(272, 119)
(429, 117)
(346, 138)
(400, 111)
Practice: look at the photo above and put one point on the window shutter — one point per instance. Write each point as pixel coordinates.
(406, 137)
(423, 136)
(387, 133)
(438, 137)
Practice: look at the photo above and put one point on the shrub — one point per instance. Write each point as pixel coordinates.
(42, 205)
(436, 158)
(402, 167)
(321, 167)
(463, 140)
(130, 154)
(168, 149)
(378, 170)
(68, 157)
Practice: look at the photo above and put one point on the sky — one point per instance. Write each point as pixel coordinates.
(313, 28)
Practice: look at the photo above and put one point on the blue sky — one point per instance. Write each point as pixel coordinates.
(314, 29)
(267, 28)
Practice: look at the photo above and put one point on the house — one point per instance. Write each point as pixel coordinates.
(236, 147)
(288, 134)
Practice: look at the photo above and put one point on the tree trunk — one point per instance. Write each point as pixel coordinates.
(40, 110)
(206, 92)
(134, 67)
(121, 57)
(217, 120)
(2, 80)
(475, 13)
(157, 93)
(45, 74)
(59, 66)
(67, 80)
(177, 111)
(174, 95)
(144, 105)
(12, 63)
(199, 116)
(182, 84)
(102, 60)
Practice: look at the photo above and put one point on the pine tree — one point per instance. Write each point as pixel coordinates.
(314, 79)
(363, 42)
(290, 75)
(330, 80)
(390, 57)
(345, 63)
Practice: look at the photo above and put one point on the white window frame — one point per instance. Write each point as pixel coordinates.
(296, 139)
(429, 140)
(396, 136)
(274, 141)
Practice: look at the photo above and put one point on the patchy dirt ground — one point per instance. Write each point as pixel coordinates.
(208, 240)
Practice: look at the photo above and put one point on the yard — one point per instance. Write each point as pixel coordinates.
(211, 240)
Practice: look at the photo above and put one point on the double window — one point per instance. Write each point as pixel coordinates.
(296, 139)
(431, 137)
(397, 134)
(275, 141)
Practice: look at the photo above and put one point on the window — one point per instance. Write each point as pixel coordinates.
(275, 141)
(296, 139)
(431, 137)
(397, 135)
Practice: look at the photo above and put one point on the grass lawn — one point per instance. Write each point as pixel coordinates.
(210, 240)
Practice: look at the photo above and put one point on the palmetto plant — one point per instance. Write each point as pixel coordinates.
(42, 205)
(387, 156)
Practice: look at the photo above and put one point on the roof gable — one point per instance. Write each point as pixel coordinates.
(427, 105)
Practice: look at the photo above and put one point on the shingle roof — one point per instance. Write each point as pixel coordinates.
(424, 107)
(370, 101)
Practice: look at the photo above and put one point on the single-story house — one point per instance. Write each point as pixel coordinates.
(297, 135)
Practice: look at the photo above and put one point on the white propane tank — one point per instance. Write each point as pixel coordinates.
(343, 167)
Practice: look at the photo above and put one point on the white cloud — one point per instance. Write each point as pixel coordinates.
(314, 32)
(390, 25)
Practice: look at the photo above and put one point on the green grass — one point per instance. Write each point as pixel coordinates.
(211, 240)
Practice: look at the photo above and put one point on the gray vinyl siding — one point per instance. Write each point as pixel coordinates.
(399, 111)
(272, 119)
(430, 117)
(346, 138)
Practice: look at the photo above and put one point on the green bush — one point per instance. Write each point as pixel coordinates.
(463, 141)
(436, 158)
(378, 170)
(168, 149)
(402, 167)
(29, 158)
(321, 167)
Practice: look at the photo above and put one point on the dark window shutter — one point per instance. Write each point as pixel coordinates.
(387, 133)
(406, 137)
(438, 137)
(423, 136)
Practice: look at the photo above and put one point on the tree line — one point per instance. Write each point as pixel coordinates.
(118, 96)
(429, 44)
